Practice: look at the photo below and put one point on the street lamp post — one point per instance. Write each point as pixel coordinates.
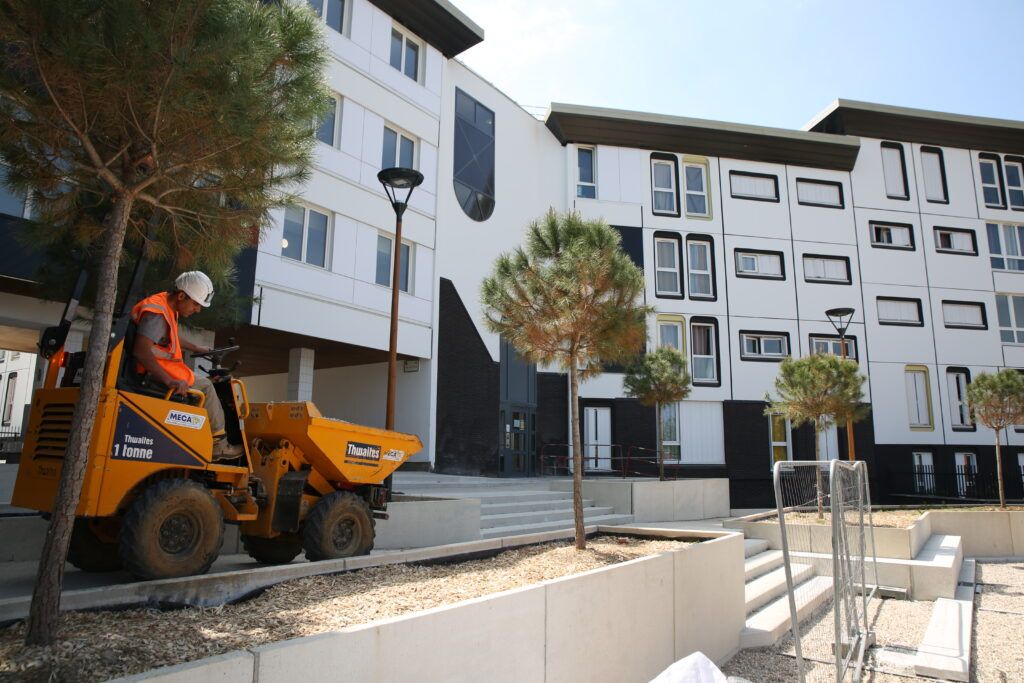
(840, 319)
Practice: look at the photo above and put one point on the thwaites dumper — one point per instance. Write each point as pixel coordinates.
(154, 501)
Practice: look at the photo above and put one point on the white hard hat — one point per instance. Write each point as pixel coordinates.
(198, 287)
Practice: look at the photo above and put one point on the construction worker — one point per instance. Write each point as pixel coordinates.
(158, 348)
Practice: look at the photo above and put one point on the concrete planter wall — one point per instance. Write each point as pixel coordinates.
(657, 501)
(420, 522)
(626, 622)
(993, 533)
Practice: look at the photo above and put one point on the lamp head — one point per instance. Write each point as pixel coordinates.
(840, 318)
(395, 181)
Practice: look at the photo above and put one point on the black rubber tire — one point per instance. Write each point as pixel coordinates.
(340, 525)
(279, 550)
(90, 554)
(174, 528)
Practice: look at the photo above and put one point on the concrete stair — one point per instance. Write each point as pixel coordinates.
(768, 615)
(754, 546)
(762, 563)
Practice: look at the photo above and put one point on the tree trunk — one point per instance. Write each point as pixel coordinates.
(999, 472)
(577, 457)
(45, 609)
(817, 473)
(657, 444)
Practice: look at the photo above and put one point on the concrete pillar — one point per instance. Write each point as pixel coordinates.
(300, 374)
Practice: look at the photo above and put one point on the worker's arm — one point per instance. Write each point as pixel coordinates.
(143, 352)
(189, 346)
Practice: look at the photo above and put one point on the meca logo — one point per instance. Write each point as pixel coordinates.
(180, 418)
(362, 451)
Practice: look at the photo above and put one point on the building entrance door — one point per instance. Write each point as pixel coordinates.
(517, 441)
(597, 438)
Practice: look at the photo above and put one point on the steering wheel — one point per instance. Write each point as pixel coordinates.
(217, 354)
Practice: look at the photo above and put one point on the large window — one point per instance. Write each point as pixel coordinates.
(327, 131)
(700, 264)
(991, 172)
(934, 171)
(664, 181)
(919, 400)
(306, 235)
(760, 264)
(10, 203)
(586, 177)
(704, 351)
(964, 315)
(894, 170)
(12, 384)
(385, 266)
(830, 345)
(670, 444)
(1006, 246)
(1015, 182)
(827, 269)
(824, 193)
(667, 266)
(899, 311)
(1010, 311)
(670, 332)
(696, 176)
(956, 241)
(756, 186)
(957, 380)
(399, 150)
(405, 54)
(773, 346)
(924, 472)
(474, 157)
(780, 438)
(892, 235)
(332, 12)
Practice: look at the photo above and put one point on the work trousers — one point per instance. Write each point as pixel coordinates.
(213, 407)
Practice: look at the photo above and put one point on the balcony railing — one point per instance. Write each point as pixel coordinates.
(961, 482)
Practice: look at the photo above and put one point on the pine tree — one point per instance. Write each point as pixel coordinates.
(997, 402)
(657, 379)
(571, 298)
(192, 118)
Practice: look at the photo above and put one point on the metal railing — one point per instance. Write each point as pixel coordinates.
(600, 460)
(961, 482)
(11, 443)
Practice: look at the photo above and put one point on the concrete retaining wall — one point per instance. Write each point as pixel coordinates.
(993, 533)
(617, 624)
(657, 501)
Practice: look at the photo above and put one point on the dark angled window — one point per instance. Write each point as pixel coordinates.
(335, 12)
(474, 157)
(10, 203)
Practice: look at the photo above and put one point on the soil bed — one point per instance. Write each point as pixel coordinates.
(899, 519)
(96, 646)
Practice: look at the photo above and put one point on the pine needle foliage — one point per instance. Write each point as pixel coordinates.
(193, 116)
(655, 379)
(997, 401)
(570, 298)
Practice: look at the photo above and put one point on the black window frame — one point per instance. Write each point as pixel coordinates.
(929, 149)
(765, 333)
(835, 257)
(665, 156)
(990, 156)
(749, 174)
(1013, 159)
(920, 311)
(984, 315)
(834, 337)
(486, 209)
(819, 181)
(959, 369)
(891, 224)
(903, 165)
(955, 252)
(700, 237)
(782, 263)
(680, 256)
(713, 322)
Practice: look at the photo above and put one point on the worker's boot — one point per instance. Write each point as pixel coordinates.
(223, 450)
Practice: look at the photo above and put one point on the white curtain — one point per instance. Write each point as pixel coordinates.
(962, 314)
(899, 311)
(931, 164)
(753, 186)
(892, 169)
(817, 193)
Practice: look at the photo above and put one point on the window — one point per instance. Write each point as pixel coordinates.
(819, 193)
(399, 150)
(989, 167)
(892, 235)
(764, 345)
(405, 54)
(924, 473)
(385, 266)
(473, 171)
(704, 351)
(829, 269)
(334, 17)
(956, 241)
(666, 266)
(670, 431)
(1015, 182)
(1010, 312)
(957, 380)
(664, 174)
(934, 171)
(697, 203)
(670, 333)
(966, 315)
(327, 131)
(919, 400)
(1006, 244)
(586, 183)
(966, 465)
(894, 170)
(829, 344)
(780, 437)
(700, 264)
(763, 264)
(757, 186)
(10, 203)
(12, 384)
(897, 311)
(306, 235)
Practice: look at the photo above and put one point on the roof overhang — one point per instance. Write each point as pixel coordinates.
(886, 122)
(438, 22)
(598, 126)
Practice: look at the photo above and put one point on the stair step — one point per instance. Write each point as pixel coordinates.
(754, 546)
(520, 529)
(499, 496)
(519, 518)
(762, 563)
(767, 587)
(503, 508)
(765, 627)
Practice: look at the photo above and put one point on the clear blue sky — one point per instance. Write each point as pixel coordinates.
(772, 63)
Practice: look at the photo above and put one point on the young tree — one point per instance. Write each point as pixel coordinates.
(194, 116)
(997, 402)
(656, 379)
(820, 389)
(569, 297)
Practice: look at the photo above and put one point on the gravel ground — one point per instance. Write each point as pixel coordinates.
(96, 646)
(900, 519)
(997, 648)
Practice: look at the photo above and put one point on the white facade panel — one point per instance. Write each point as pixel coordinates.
(890, 412)
(821, 223)
(633, 184)
(614, 213)
(897, 343)
(701, 433)
(607, 161)
(965, 346)
(750, 216)
(869, 182)
(759, 297)
(959, 269)
(882, 264)
(956, 163)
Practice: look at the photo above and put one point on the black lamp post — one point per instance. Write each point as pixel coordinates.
(397, 182)
(840, 319)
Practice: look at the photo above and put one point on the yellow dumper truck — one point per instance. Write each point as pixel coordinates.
(155, 502)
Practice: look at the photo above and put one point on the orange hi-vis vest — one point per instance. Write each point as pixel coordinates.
(169, 357)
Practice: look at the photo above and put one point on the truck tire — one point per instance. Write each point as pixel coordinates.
(174, 528)
(340, 525)
(90, 554)
(280, 550)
